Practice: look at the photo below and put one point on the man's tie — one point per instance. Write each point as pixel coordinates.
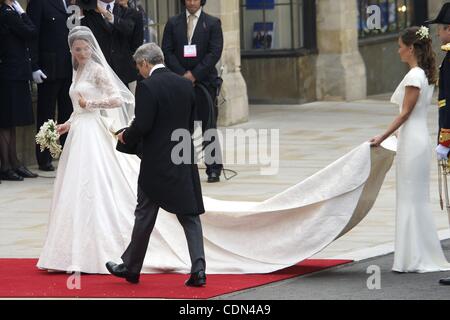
(191, 20)
(108, 7)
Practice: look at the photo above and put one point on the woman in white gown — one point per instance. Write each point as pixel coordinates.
(91, 193)
(417, 246)
(91, 217)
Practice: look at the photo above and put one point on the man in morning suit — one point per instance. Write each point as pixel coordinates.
(164, 104)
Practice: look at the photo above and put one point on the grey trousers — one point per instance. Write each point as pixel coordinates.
(145, 219)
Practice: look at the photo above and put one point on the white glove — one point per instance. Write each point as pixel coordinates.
(442, 152)
(39, 76)
(17, 7)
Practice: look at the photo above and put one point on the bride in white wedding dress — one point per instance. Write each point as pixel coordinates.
(93, 192)
(91, 217)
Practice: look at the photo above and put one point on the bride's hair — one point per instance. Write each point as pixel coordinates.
(423, 50)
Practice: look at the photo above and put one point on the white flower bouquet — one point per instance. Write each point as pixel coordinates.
(47, 138)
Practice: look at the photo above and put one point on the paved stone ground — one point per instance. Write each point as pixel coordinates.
(349, 282)
(311, 137)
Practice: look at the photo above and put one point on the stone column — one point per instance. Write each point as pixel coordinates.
(341, 73)
(235, 108)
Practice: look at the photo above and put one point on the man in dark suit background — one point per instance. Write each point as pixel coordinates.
(192, 46)
(113, 26)
(52, 66)
(164, 104)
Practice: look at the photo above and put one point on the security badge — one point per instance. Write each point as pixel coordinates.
(190, 51)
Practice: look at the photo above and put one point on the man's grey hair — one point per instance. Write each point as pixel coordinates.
(149, 52)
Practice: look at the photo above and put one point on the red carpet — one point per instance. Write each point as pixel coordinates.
(19, 278)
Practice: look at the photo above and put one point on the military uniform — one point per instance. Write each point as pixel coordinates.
(444, 101)
(443, 18)
(51, 55)
(17, 31)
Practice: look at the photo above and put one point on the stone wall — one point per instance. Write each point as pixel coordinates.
(383, 66)
(285, 80)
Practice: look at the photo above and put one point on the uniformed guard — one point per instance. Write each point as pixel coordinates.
(443, 21)
(52, 67)
(443, 148)
(17, 31)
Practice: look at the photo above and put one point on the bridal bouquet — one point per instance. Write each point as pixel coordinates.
(47, 138)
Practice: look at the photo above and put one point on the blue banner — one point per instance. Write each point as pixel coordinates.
(259, 4)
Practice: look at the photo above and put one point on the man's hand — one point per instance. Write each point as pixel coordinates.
(442, 152)
(105, 13)
(120, 137)
(188, 75)
(39, 76)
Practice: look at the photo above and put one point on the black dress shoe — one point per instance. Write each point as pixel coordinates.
(47, 168)
(25, 173)
(10, 175)
(121, 271)
(213, 178)
(197, 279)
(445, 282)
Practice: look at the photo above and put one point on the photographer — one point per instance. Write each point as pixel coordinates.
(113, 26)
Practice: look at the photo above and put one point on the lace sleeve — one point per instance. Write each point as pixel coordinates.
(70, 120)
(112, 97)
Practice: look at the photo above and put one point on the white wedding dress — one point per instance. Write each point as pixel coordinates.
(95, 186)
(417, 246)
(92, 212)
